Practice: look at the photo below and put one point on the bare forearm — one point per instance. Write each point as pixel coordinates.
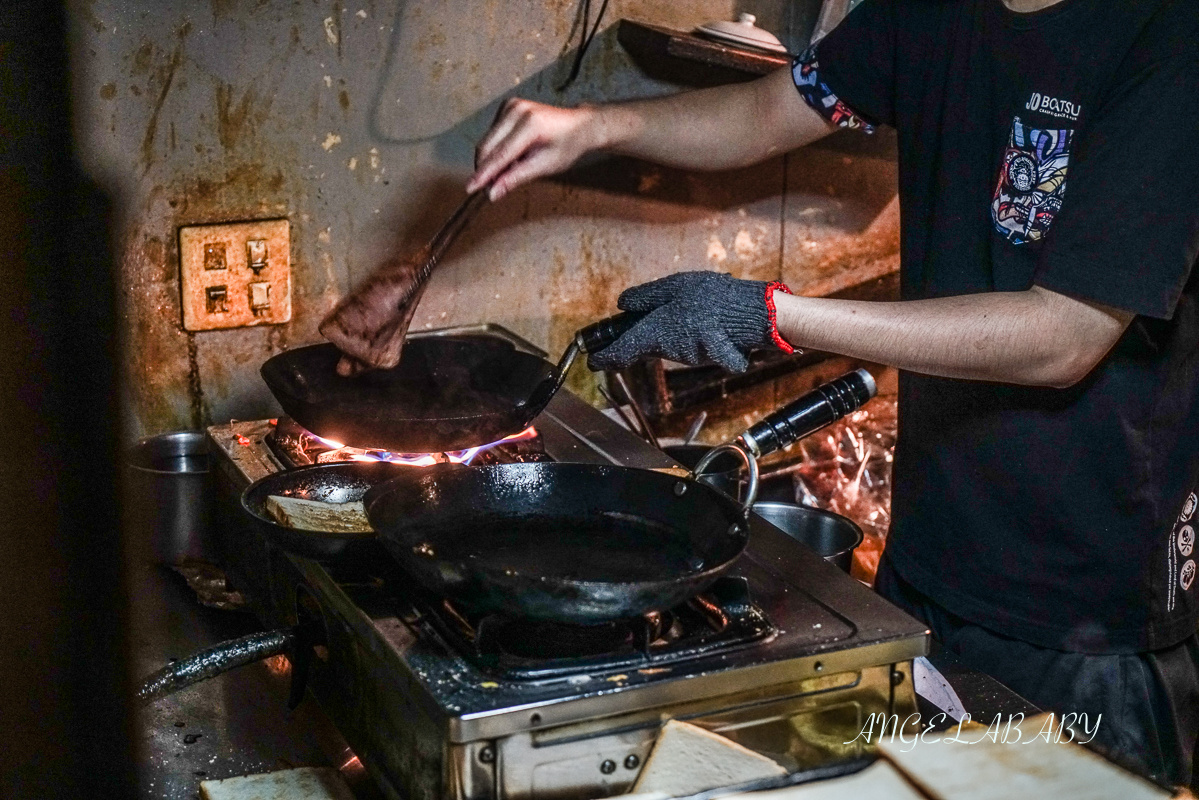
(1036, 337)
(713, 129)
(720, 128)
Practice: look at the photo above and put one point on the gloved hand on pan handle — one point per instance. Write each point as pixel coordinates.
(697, 318)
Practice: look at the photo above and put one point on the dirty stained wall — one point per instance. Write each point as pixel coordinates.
(357, 121)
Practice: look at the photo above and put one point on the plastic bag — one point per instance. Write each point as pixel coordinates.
(846, 469)
(831, 14)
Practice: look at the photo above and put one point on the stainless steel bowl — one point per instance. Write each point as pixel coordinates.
(832, 536)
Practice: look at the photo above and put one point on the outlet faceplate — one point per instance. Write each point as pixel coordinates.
(235, 275)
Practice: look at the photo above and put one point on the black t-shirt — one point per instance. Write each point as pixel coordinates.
(1061, 517)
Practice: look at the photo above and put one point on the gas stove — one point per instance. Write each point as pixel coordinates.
(719, 620)
(787, 655)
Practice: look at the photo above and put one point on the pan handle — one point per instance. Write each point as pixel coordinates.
(593, 338)
(822, 406)
(590, 339)
(751, 468)
(216, 660)
(598, 335)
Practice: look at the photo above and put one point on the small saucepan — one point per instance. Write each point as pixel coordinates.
(341, 482)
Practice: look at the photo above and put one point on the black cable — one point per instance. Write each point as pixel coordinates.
(584, 41)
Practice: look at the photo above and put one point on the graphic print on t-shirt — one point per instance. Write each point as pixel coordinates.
(805, 72)
(1032, 181)
(1181, 545)
(1188, 508)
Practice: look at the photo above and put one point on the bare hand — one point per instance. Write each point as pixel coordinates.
(530, 140)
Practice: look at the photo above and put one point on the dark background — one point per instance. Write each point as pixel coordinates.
(64, 727)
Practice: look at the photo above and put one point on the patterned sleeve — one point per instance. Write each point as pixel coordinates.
(805, 71)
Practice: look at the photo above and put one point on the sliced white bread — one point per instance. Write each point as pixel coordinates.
(313, 515)
(305, 783)
(979, 762)
(687, 759)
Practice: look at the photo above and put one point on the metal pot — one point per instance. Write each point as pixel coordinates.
(168, 499)
(832, 536)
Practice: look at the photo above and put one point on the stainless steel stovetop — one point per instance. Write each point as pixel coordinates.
(429, 722)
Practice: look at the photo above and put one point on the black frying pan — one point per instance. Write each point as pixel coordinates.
(584, 543)
(448, 392)
(579, 543)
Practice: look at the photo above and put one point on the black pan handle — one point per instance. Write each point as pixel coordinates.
(598, 335)
(822, 406)
(591, 339)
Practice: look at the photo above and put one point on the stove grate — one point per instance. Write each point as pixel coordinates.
(721, 620)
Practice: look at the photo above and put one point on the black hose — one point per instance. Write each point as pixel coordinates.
(584, 40)
(213, 661)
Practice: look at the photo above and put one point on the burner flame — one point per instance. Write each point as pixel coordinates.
(332, 445)
(427, 460)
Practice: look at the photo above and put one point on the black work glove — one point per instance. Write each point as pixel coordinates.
(695, 318)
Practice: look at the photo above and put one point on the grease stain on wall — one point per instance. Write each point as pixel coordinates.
(244, 144)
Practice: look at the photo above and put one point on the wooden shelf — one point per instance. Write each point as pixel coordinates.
(653, 43)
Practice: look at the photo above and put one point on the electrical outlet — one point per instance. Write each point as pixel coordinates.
(235, 275)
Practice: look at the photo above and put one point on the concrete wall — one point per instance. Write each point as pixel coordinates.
(357, 121)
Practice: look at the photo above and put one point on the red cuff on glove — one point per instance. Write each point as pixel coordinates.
(772, 315)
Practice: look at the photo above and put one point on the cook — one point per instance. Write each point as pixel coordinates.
(1048, 335)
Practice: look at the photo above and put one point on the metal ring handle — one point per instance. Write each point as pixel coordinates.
(751, 466)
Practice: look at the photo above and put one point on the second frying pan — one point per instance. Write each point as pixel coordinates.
(584, 543)
(448, 392)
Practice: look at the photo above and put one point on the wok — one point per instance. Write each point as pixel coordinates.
(447, 393)
(584, 543)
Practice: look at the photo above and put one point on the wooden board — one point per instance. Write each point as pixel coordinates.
(644, 40)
